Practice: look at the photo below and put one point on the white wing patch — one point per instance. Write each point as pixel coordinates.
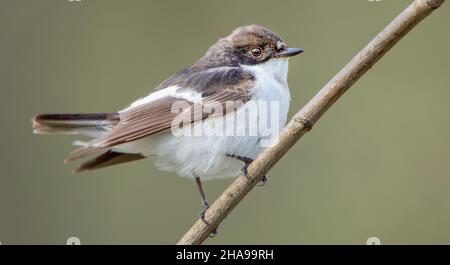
(171, 91)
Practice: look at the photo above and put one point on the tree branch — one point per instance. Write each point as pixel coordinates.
(309, 115)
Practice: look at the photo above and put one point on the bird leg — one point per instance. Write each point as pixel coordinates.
(247, 162)
(205, 204)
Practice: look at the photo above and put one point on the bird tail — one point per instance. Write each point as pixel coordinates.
(89, 124)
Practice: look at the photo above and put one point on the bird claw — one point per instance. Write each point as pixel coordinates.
(203, 211)
(263, 181)
(202, 217)
(214, 233)
(245, 173)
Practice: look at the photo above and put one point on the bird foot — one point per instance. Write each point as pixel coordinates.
(245, 173)
(202, 217)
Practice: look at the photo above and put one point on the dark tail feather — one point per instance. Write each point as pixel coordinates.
(108, 158)
(74, 123)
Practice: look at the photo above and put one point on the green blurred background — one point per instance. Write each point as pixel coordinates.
(377, 164)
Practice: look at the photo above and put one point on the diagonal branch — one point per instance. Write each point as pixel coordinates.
(309, 115)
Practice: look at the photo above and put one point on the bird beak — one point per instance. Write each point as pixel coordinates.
(289, 52)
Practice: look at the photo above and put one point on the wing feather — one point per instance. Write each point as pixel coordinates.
(216, 86)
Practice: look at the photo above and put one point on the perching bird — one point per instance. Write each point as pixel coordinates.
(248, 67)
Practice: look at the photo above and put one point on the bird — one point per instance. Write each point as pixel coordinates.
(248, 66)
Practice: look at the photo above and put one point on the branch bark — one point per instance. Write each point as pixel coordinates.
(309, 115)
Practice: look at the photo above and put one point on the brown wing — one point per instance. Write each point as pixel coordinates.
(109, 158)
(157, 116)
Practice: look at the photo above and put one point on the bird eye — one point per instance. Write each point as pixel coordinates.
(256, 52)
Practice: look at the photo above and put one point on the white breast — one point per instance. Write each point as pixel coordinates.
(271, 84)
